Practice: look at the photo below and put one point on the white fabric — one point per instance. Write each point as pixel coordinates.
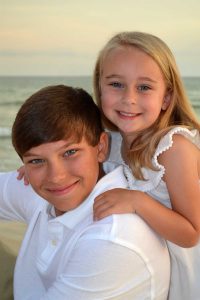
(185, 263)
(72, 257)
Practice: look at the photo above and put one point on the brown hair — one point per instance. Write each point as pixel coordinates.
(179, 111)
(54, 113)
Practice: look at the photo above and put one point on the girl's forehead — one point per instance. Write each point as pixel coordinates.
(123, 55)
(130, 60)
(121, 49)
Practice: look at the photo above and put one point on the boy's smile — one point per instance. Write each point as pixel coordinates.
(64, 172)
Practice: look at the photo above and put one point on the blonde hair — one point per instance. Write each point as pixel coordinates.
(179, 111)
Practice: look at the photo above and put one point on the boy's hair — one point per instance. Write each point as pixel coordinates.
(179, 111)
(56, 113)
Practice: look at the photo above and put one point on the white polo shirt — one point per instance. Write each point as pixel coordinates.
(71, 257)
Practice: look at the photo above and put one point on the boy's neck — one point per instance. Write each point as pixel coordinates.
(101, 172)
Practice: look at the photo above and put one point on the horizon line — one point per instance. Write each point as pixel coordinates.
(67, 75)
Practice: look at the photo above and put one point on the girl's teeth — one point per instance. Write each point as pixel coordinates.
(127, 114)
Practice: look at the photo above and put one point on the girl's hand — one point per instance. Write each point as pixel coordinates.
(115, 201)
(22, 175)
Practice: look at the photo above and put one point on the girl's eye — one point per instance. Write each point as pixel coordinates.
(117, 84)
(143, 88)
(70, 152)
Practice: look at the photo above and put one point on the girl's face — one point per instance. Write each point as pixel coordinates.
(133, 90)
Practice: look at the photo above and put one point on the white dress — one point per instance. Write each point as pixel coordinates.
(185, 262)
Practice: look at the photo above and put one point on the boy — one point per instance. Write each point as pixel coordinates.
(65, 253)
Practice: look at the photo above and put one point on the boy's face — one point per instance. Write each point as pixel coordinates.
(65, 172)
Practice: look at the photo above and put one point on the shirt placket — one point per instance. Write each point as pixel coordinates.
(55, 237)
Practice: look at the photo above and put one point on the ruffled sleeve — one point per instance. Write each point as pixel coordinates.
(154, 178)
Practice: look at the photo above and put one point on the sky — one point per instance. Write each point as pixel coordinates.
(63, 37)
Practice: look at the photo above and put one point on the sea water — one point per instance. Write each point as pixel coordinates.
(14, 90)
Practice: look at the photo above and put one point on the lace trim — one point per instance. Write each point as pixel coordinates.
(167, 142)
(154, 178)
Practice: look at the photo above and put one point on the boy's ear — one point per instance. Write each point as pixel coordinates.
(166, 101)
(103, 147)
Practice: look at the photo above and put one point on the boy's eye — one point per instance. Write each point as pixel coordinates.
(70, 152)
(36, 161)
(117, 84)
(143, 88)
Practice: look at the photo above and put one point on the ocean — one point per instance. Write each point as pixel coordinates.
(14, 90)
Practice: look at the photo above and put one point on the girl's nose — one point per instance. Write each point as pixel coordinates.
(129, 96)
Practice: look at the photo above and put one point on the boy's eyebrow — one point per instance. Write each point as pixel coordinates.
(29, 153)
(113, 75)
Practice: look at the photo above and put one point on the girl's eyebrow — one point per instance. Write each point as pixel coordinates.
(147, 79)
(140, 78)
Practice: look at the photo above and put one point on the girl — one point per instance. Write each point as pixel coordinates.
(140, 93)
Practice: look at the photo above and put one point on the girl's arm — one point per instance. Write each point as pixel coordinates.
(21, 175)
(181, 225)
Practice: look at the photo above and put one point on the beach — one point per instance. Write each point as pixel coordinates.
(11, 234)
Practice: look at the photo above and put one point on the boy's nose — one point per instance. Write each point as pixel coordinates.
(56, 173)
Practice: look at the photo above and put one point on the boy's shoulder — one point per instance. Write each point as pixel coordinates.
(126, 230)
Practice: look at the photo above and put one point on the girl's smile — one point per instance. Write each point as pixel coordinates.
(128, 116)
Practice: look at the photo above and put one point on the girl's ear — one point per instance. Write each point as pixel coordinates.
(166, 101)
(103, 146)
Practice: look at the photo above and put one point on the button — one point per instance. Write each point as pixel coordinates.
(54, 242)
